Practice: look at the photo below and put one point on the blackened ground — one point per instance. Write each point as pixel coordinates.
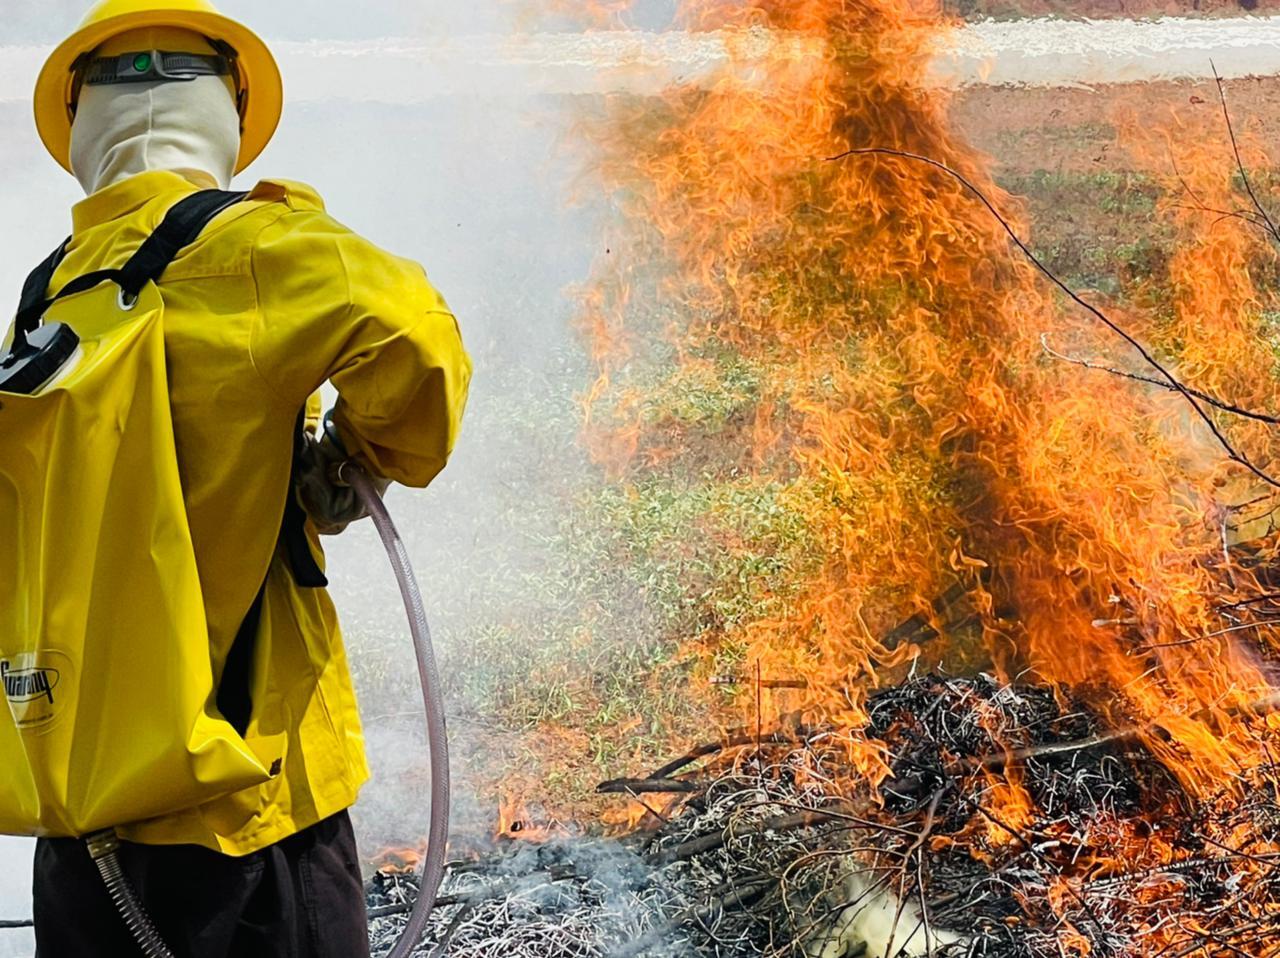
(1000, 797)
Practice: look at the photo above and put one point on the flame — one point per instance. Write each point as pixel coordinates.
(517, 822)
(398, 861)
(640, 813)
(906, 403)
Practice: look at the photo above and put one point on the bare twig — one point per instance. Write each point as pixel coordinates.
(647, 786)
(738, 738)
(1235, 148)
(716, 840)
(1151, 380)
(1233, 454)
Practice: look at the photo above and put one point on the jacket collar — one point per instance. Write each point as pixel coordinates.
(128, 196)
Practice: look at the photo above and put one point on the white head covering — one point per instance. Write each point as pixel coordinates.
(124, 129)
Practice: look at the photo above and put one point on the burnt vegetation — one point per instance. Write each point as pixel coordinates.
(1092, 504)
(1010, 824)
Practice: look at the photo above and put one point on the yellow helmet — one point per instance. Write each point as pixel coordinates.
(258, 73)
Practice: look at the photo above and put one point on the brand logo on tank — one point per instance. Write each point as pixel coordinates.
(31, 684)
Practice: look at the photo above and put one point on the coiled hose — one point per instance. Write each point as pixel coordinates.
(104, 847)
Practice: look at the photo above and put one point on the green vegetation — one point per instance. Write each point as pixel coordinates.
(573, 607)
(570, 607)
(1096, 230)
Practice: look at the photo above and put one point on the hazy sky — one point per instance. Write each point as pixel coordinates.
(46, 21)
(35, 21)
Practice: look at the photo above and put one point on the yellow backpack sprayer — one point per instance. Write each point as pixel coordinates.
(85, 418)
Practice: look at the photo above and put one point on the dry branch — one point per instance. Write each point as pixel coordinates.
(646, 786)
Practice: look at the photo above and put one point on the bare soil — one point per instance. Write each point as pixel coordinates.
(1078, 130)
(1097, 211)
(1110, 9)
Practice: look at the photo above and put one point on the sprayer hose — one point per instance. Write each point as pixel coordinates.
(104, 848)
(432, 700)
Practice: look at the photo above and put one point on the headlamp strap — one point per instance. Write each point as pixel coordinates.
(151, 66)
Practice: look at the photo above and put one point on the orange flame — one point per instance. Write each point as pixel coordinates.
(516, 822)
(398, 861)
(906, 403)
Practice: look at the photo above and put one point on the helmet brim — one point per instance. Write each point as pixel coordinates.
(259, 75)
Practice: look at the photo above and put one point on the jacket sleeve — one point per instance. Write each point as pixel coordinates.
(333, 307)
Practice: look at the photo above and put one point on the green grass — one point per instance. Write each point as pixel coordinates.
(1096, 231)
(570, 602)
(578, 592)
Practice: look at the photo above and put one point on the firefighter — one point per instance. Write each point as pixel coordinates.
(145, 104)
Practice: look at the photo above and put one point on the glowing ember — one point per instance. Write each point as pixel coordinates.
(517, 823)
(398, 861)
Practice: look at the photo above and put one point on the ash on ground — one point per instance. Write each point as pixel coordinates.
(581, 898)
(1012, 825)
(705, 884)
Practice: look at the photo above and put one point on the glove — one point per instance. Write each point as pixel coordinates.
(331, 504)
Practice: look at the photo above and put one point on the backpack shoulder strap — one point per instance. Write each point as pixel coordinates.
(33, 304)
(181, 227)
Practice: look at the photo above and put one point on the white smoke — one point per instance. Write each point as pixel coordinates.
(467, 186)
(462, 175)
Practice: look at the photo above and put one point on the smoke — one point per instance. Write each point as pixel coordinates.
(467, 188)
(474, 189)
(880, 924)
(478, 188)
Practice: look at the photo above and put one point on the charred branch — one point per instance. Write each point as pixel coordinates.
(646, 786)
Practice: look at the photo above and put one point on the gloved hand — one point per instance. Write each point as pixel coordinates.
(331, 504)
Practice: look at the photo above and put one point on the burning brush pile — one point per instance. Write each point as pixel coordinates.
(1012, 825)
(1069, 746)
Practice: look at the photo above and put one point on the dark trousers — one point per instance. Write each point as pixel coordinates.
(302, 898)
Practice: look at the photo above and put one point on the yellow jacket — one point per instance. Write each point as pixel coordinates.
(275, 299)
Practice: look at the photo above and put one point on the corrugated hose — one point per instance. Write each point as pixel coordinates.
(104, 849)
